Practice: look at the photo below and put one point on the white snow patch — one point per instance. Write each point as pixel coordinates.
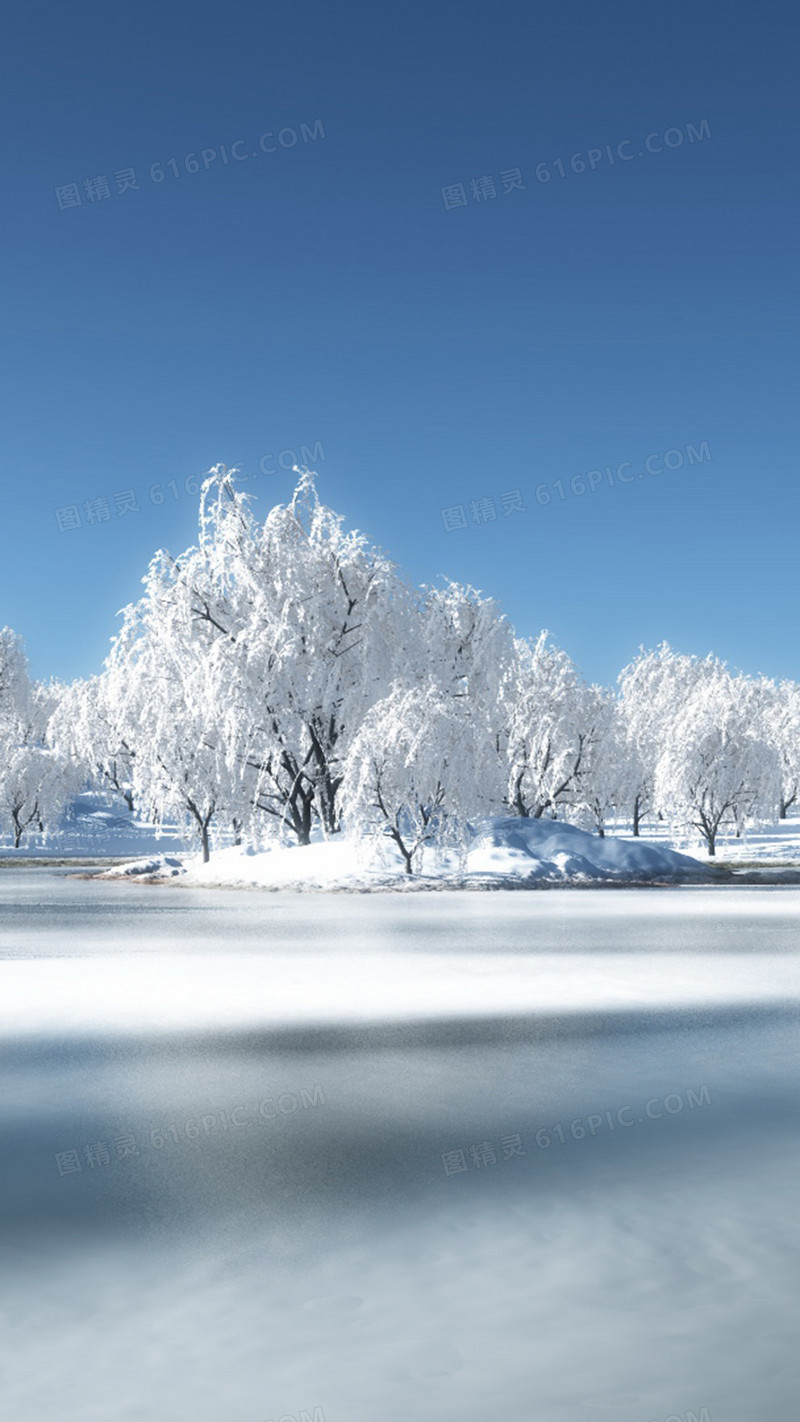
(548, 849)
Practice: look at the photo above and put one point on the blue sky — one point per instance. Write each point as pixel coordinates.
(432, 353)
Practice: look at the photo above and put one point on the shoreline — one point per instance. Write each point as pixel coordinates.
(722, 875)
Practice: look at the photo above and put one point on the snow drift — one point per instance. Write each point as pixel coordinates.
(547, 849)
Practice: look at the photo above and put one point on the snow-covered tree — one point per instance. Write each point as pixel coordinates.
(315, 623)
(715, 767)
(777, 708)
(610, 770)
(465, 647)
(84, 728)
(165, 687)
(548, 715)
(652, 689)
(15, 683)
(36, 781)
(413, 771)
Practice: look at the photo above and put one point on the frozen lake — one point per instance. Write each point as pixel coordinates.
(383, 1156)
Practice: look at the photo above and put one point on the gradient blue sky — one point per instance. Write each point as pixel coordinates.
(324, 295)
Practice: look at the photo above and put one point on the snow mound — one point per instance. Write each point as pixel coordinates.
(550, 850)
(160, 866)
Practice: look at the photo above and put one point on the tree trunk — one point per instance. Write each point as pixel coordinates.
(127, 796)
(202, 822)
(327, 803)
(637, 815)
(301, 816)
(407, 854)
(517, 803)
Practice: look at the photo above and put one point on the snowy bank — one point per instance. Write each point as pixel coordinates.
(509, 852)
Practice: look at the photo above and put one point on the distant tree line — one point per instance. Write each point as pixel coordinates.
(281, 678)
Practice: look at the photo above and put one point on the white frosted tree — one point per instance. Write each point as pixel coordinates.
(166, 688)
(314, 623)
(610, 770)
(715, 766)
(549, 718)
(412, 772)
(465, 647)
(652, 690)
(15, 682)
(777, 707)
(36, 781)
(84, 728)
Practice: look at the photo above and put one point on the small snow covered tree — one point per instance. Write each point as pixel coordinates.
(652, 690)
(83, 727)
(166, 688)
(715, 766)
(610, 770)
(32, 788)
(549, 712)
(36, 781)
(15, 685)
(465, 647)
(777, 709)
(412, 771)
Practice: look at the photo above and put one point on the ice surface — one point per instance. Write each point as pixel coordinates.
(321, 1258)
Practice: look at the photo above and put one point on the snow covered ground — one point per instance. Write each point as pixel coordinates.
(509, 852)
(98, 826)
(503, 852)
(770, 844)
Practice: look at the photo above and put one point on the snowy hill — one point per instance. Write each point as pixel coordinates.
(547, 849)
